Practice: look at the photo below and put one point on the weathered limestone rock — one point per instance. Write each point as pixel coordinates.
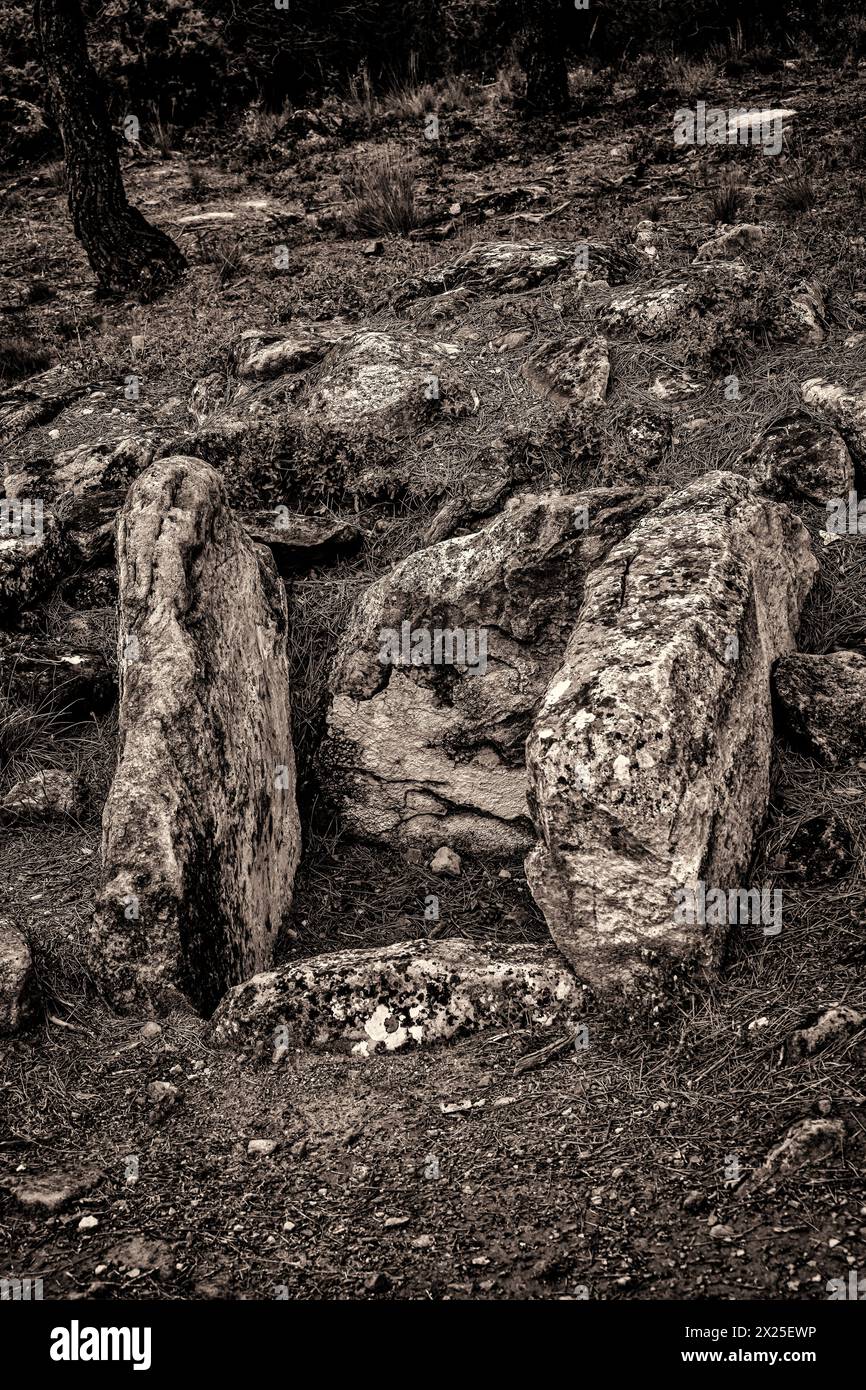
(656, 310)
(492, 268)
(49, 793)
(16, 980)
(432, 751)
(808, 1143)
(574, 371)
(413, 994)
(648, 762)
(822, 701)
(843, 408)
(200, 830)
(800, 457)
(30, 564)
(730, 243)
(380, 379)
(298, 541)
(262, 356)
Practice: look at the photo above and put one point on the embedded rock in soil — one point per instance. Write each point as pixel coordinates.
(41, 671)
(48, 793)
(261, 356)
(297, 541)
(656, 310)
(571, 370)
(843, 408)
(50, 1192)
(426, 745)
(492, 268)
(839, 1021)
(822, 703)
(33, 554)
(414, 993)
(17, 988)
(800, 457)
(382, 379)
(648, 761)
(200, 830)
(731, 243)
(807, 1144)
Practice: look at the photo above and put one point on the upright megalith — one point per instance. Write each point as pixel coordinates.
(648, 761)
(200, 830)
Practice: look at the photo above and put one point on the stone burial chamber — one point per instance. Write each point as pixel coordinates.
(200, 830)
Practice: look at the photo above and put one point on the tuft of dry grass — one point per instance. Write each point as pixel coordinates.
(727, 201)
(382, 191)
(796, 194)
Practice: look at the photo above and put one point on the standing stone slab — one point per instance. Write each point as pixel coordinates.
(431, 753)
(200, 830)
(649, 758)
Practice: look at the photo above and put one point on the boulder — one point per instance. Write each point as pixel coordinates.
(33, 553)
(378, 380)
(17, 988)
(427, 746)
(388, 998)
(822, 703)
(200, 829)
(648, 761)
(843, 407)
(800, 457)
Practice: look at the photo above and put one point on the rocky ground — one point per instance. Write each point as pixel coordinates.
(396, 392)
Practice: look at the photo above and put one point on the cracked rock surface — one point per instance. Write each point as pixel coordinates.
(649, 757)
(200, 829)
(434, 753)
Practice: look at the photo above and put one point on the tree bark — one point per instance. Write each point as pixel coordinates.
(543, 56)
(124, 250)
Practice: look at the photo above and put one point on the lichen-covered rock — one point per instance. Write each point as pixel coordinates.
(261, 356)
(30, 564)
(492, 268)
(200, 830)
(574, 371)
(381, 379)
(657, 309)
(648, 761)
(17, 988)
(844, 408)
(800, 457)
(48, 793)
(413, 994)
(822, 703)
(427, 750)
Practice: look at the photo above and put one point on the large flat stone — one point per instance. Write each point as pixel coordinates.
(649, 758)
(200, 830)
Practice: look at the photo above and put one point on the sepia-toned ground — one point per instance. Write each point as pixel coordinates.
(610, 1171)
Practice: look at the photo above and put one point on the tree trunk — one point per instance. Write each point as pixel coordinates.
(125, 251)
(543, 56)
